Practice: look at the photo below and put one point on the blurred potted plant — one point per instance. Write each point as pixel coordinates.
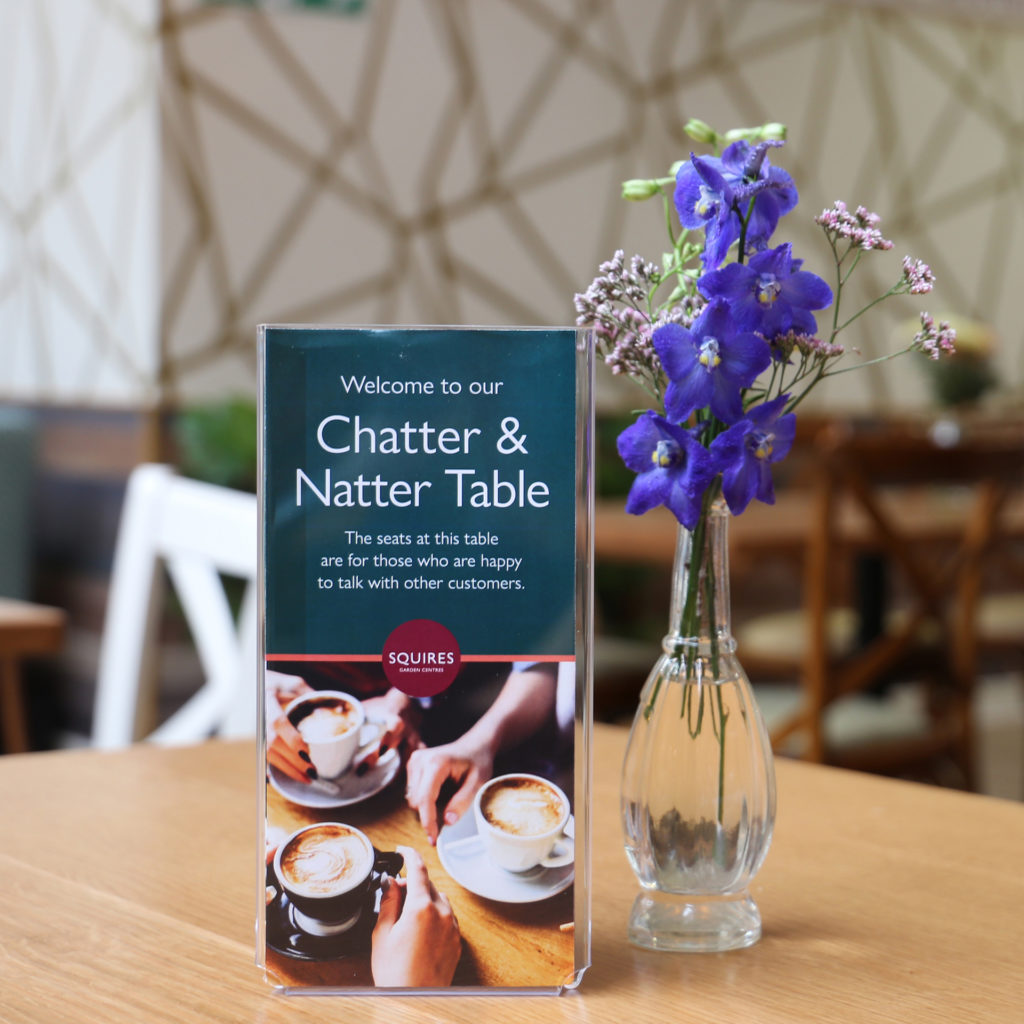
(967, 374)
(217, 442)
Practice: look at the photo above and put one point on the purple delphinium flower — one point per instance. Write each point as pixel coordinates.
(770, 294)
(703, 199)
(744, 453)
(673, 469)
(709, 364)
(750, 173)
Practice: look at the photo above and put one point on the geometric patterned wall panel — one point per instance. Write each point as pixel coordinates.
(458, 160)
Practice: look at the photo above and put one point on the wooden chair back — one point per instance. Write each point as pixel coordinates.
(928, 516)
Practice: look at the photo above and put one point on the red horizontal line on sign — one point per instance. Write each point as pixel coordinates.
(519, 657)
(377, 657)
(323, 657)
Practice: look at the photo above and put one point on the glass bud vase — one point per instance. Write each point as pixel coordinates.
(698, 782)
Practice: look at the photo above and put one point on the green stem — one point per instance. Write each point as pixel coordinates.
(861, 312)
(868, 362)
(723, 718)
(693, 608)
(839, 285)
(689, 625)
(694, 730)
(744, 221)
(667, 205)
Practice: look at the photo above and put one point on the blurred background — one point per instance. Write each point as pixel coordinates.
(175, 172)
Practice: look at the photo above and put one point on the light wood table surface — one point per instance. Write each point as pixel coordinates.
(129, 895)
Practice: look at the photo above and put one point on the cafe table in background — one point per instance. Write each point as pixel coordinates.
(26, 629)
(129, 887)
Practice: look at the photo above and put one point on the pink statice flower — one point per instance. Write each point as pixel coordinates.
(859, 228)
(918, 276)
(613, 307)
(629, 350)
(935, 339)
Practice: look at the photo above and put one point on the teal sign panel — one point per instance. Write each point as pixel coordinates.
(421, 473)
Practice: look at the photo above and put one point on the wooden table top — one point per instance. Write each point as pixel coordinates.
(27, 628)
(783, 528)
(130, 894)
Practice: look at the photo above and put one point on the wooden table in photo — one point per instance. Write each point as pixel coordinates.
(130, 890)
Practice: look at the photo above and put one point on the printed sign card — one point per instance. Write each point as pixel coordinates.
(425, 571)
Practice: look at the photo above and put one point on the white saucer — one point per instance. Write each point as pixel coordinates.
(461, 852)
(349, 788)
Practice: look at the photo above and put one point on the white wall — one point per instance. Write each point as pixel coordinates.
(79, 200)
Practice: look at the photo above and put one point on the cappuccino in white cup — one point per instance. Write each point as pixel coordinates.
(524, 821)
(330, 722)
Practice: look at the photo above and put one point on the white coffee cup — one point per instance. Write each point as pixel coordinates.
(524, 821)
(331, 722)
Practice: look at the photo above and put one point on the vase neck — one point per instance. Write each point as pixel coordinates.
(699, 614)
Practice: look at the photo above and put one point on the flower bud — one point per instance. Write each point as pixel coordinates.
(701, 131)
(637, 189)
(773, 130)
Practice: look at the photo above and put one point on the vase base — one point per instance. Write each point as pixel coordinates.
(687, 924)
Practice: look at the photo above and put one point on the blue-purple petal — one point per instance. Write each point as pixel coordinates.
(718, 239)
(728, 446)
(686, 197)
(800, 321)
(709, 169)
(693, 390)
(678, 481)
(674, 345)
(649, 490)
(733, 283)
(747, 356)
(807, 290)
(726, 399)
(740, 484)
(637, 441)
(785, 434)
(684, 504)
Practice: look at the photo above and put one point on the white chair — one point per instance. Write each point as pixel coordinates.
(199, 532)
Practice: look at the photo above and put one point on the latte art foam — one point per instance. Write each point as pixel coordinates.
(522, 807)
(326, 721)
(325, 860)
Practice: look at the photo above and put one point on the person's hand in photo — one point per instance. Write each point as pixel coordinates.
(526, 701)
(287, 751)
(466, 764)
(396, 715)
(416, 941)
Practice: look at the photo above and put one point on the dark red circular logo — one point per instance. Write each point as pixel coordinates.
(421, 657)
